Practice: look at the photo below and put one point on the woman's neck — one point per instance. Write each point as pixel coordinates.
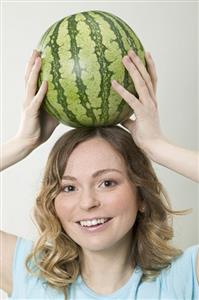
(106, 271)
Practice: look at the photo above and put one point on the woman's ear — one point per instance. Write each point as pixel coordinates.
(141, 205)
(141, 208)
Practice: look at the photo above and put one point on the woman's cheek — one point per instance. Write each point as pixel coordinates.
(60, 205)
(65, 208)
(123, 199)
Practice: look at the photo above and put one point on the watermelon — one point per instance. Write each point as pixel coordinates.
(81, 54)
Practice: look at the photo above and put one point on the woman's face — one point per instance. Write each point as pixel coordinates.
(96, 195)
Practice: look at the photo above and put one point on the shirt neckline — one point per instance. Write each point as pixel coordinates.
(131, 284)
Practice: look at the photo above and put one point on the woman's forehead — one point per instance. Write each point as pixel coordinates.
(93, 155)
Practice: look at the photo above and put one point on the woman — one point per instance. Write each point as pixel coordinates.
(104, 218)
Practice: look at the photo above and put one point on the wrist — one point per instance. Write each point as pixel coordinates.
(176, 158)
(156, 148)
(13, 151)
(23, 146)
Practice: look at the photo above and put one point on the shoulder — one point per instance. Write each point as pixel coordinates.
(23, 245)
(181, 275)
(177, 281)
(19, 273)
(22, 249)
(187, 259)
(25, 284)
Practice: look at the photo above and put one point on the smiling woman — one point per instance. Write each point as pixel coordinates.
(105, 222)
(138, 232)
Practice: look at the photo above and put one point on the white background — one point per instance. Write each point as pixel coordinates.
(169, 31)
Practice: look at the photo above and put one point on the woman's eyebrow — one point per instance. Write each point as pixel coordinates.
(96, 174)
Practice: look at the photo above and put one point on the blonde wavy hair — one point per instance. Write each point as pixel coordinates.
(55, 256)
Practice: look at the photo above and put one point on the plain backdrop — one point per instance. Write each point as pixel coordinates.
(169, 31)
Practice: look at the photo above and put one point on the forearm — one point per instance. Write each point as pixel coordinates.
(13, 151)
(178, 159)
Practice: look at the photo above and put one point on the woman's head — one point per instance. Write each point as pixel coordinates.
(135, 201)
(82, 152)
(95, 186)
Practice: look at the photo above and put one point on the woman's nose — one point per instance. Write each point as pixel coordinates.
(89, 200)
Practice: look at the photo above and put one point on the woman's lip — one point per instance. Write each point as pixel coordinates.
(96, 228)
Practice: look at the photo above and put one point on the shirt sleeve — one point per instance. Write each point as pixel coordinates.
(19, 272)
(25, 285)
(181, 276)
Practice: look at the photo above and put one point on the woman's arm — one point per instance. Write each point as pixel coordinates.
(145, 129)
(36, 126)
(178, 159)
(13, 151)
(8, 245)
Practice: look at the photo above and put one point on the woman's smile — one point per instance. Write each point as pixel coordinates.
(97, 227)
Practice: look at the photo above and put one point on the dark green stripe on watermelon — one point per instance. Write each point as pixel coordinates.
(106, 75)
(45, 36)
(56, 75)
(136, 45)
(119, 40)
(84, 100)
(132, 41)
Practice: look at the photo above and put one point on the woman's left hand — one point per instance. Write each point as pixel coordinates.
(145, 129)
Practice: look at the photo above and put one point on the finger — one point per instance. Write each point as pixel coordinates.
(141, 68)
(35, 104)
(132, 101)
(39, 97)
(140, 85)
(152, 70)
(30, 64)
(32, 81)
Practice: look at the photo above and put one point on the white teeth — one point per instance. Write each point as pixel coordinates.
(93, 222)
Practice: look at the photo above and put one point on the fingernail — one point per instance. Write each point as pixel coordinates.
(148, 54)
(126, 59)
(44, 84)
(132, 52)
(37, 60)
(34, 52)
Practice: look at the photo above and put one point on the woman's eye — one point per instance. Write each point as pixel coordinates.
(68, 188)
(109, 183)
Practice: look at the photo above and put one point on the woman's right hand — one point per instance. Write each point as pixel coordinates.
(36, 124)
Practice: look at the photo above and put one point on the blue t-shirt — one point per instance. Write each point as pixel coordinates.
(177, 282)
